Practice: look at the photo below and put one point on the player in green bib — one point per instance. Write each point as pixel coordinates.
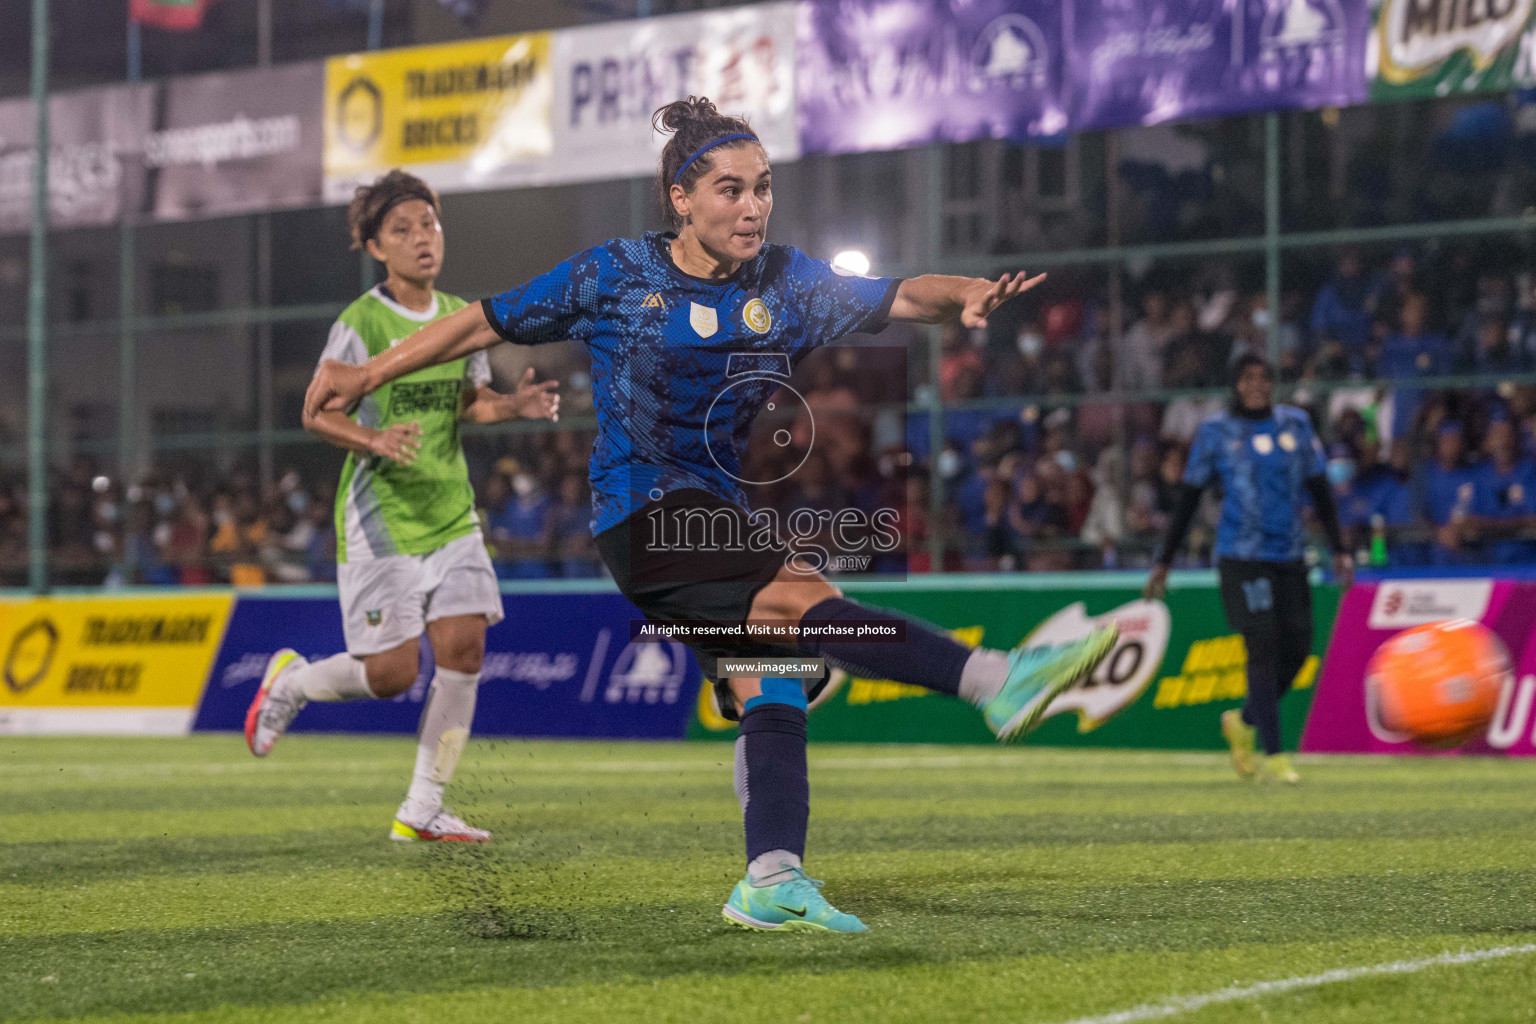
(409, 552)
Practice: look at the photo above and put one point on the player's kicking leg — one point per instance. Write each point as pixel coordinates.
(1012, 689)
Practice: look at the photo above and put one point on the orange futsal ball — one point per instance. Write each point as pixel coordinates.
(1437, 684)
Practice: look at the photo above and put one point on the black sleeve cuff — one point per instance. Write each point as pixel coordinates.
(1327, 512)
(880, 319)
(1179, 523)
(495, 322)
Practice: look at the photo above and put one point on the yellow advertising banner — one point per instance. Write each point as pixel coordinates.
(463, 115)
(124, 664)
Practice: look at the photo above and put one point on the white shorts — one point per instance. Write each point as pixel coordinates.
(387, 601)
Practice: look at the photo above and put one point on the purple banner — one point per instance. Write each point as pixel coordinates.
(1150, 61)
(1373, 613)
(888, 74)
(558, 665)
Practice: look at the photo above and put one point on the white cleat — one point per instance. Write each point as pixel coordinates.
(273, 710)
(444, 826)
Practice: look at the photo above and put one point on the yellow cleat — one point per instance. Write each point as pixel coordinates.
(1240, 736)
(1277, 768)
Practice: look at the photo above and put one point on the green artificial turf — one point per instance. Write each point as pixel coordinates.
(183, 878)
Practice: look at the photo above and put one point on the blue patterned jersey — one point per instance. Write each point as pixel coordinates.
(680, 365)
(1261, 465)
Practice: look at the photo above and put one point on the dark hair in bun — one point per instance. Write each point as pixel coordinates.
(693, 124)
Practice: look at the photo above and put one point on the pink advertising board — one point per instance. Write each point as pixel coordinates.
(1371, 613)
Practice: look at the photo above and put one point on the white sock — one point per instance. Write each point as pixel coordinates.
(339, 677)
(772, 867)
(984, 674)
(444, 730)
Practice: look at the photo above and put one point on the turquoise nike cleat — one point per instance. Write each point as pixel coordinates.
(795, 905)
(1038, 675)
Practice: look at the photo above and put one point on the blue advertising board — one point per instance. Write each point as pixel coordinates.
(559, 665)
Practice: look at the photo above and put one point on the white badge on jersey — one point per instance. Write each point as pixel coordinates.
(1263, 444)
(1516, 494)
(1288, 441)
(704, 319)
(756, 316)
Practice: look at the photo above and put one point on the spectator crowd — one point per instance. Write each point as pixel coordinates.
(1053, 456)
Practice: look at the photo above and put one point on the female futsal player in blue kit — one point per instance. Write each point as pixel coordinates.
(1267, 460)
(662, 316)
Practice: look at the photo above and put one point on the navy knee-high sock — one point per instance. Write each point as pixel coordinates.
(928, 658)
(771, 778)
(1262, 708)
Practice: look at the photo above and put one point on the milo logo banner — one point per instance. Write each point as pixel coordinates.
(1442, 47)
(1173, 672)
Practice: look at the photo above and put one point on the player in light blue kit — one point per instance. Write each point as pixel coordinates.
(1267, 461)
(665, 316)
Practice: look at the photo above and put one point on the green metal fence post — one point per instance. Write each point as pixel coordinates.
(37, 316)
(1272, 235)
(127, 342)
(935, 358)
(366, 278)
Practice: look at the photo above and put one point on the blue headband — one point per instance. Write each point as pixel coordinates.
(705, 149)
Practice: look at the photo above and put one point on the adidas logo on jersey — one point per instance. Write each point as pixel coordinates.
(654, 301)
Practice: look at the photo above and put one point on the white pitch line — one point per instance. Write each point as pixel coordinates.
(1188, 1004)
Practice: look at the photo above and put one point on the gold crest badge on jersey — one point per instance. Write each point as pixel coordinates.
(756, 316)
(704, 319)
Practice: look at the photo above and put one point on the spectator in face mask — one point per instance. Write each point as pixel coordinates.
(521, 532)
(1015, 369)
(1354, 506)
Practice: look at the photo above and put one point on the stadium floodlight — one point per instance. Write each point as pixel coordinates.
(853, 261)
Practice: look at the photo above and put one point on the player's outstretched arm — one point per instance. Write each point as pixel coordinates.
(1187, 503)
(530, 401)
(338, 386)
(935, 298)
